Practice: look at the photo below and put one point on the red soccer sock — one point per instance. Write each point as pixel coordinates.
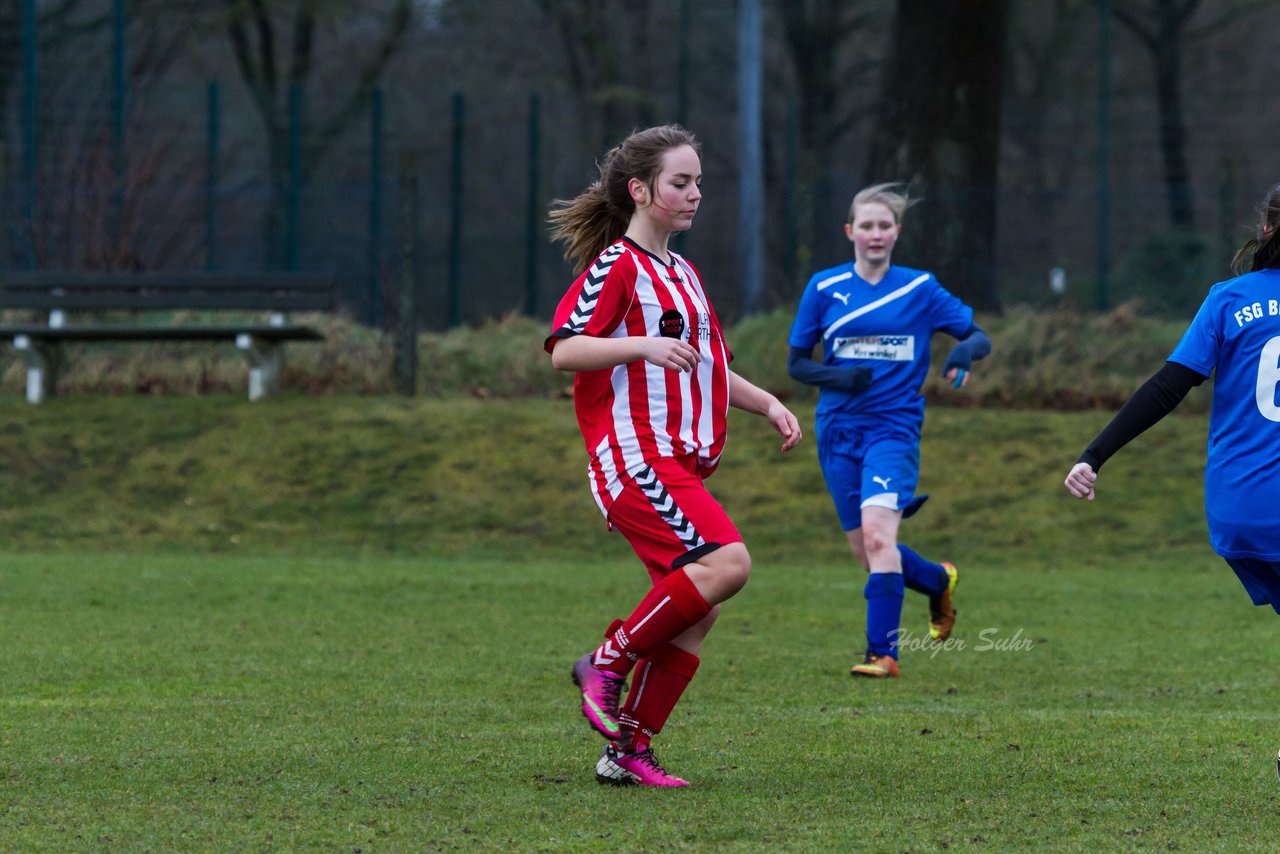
(656, 687)
(672, 606)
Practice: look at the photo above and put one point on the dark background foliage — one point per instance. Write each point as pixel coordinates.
(1124, 141)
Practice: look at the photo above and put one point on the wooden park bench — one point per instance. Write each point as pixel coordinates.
(74, 304)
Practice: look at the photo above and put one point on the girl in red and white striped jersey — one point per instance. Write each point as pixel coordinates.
(652, 388)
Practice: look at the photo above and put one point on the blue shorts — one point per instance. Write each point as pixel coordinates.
(869, 464)
(1260, 577)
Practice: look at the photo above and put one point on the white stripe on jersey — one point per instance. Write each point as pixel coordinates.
(608, 468)
(836, 279)
(655, 376)
(624, 426)
(872, 306)
(706, 368)
(595, 492)
(685, 430)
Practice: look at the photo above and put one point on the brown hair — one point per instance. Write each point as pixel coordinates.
(599, 215)
(1262, 251)
(892, 195)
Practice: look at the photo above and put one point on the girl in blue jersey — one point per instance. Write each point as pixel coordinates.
(1237, 333)
(875, 321)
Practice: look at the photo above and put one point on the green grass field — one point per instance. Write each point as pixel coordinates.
(346, 624)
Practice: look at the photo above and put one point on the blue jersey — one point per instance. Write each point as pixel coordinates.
(886, 327)
(1237, 332)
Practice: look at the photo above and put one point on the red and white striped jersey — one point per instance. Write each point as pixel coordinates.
(631, 414)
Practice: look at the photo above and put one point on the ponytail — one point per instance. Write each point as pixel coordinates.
(1262, 251)
(591, 221)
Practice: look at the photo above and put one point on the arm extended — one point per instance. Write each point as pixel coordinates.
(801, 367)
(1155, 399)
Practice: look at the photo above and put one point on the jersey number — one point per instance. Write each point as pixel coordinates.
(1268, 379)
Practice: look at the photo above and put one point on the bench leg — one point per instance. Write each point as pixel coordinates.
(264, 365)
(42, 360)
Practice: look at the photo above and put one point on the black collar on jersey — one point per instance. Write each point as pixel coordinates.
(635, 245)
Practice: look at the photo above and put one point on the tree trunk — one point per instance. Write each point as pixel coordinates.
(1173, 133)
(939, 130)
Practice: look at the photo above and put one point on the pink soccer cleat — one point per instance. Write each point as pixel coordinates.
(640, 767)
(601, 691)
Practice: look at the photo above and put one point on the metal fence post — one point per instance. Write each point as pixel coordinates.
(30, 120)
(213, 130)
(531, 235)
(293, 196)
(455, 212)
(1104, 150)
(375, 207)
(407, 325)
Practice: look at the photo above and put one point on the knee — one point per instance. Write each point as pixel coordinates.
(877, 540)
(722, 573)
(734, 567)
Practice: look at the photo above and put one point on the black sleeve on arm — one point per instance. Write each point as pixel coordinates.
(1155, 399)
(802, 368)
(972, 345)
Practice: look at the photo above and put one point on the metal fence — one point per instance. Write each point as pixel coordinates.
(175, 172)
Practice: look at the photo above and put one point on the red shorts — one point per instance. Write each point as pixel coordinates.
(669, 518)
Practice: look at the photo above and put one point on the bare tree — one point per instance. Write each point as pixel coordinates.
(98, 202)
(939, 129)
(1164, 28)
(256, 37)
(1039, 82)
(282, 50)
(817, 36)
(606, 46)
(57, 25)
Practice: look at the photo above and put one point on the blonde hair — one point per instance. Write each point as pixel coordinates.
(600, 214)
(1262, 251)
(893, 195)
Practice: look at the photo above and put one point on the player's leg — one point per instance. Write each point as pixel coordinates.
(937, 581)
(657, 684)
(890, 471)
(883, 591)
(841, 453)
(856, 545)
(696, 558)
(661, 677)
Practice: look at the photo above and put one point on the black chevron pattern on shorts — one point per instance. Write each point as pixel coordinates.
(665, 505)
(591, 287)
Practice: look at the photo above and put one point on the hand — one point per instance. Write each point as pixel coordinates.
(785, 423)
(1081, 480)
(859, 379)
(670, 353)
(959, 377)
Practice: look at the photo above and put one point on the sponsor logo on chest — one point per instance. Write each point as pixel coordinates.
(672, 325)
(889, 348)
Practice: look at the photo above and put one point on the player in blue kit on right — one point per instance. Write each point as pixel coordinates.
(875, 321)
(1236, 333)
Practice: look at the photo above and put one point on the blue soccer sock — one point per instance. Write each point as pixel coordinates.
(884, 593)
(922, 575)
